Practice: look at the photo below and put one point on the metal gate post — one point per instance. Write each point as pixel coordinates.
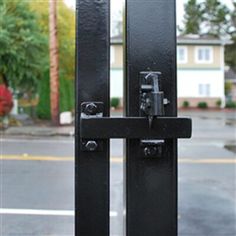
(92, 168)
(151, 182)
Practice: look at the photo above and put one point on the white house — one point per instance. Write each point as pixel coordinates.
(200, 63)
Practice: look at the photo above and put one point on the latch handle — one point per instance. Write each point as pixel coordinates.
(151, 98)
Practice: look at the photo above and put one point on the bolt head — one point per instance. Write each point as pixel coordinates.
(90, 109)
(147, 151)
(91, 146)
(150, 151)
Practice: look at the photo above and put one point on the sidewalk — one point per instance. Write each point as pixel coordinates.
(38, 131)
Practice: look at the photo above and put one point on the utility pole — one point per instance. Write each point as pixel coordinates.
(54, 62)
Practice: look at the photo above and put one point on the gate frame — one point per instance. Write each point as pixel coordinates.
(151, 183)
(92, 84)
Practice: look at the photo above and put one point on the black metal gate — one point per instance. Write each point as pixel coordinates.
(150, 125)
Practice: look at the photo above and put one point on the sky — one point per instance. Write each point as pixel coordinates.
(116, 5)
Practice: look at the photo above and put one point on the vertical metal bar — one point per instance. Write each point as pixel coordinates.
(151, 184)
(92, 84)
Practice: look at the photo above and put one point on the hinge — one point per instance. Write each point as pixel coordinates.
(90, 110)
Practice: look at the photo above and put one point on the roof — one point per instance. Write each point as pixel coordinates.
(185, 39)
(200, 40)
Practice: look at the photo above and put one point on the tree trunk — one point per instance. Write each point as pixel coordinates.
(54, 62)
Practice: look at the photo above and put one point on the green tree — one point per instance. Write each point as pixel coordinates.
(192, 18)
(43, 109)
(66, 34)
(230, 50)
(207, 17)
(215, 17)
(22, 46)
(66, 38)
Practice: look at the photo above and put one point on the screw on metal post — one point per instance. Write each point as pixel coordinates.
(90, 109)
(149, 151)
(152, 148)
(91, 146)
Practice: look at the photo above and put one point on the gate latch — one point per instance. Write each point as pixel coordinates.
(152, 103)
(151, 98)
(152, 127)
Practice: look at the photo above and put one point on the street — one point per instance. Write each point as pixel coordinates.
(37, 182)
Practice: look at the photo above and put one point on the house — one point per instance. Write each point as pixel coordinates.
(116, 59)
(200, 63)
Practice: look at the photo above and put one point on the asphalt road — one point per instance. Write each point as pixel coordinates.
(37, 182)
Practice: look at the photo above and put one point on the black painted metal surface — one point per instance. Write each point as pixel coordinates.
(151, 184)
(135, 127)
(92, 168)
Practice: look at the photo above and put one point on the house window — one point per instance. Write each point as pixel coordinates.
(182, 55)
(204, 54)
(204, 90)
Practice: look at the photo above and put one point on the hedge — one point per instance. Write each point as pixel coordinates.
(66, 97)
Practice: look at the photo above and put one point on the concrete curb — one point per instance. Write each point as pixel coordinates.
(39, 131)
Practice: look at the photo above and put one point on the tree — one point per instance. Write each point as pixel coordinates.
(207, 17)
(233, 18)
(66, 38)
(192, 18)
(54, 61)
(214, 19)
(66, 34)
(230, 50)
(43, 110)
(214, 15)
(22, 46)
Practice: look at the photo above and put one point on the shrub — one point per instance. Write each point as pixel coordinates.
(6, 100)
(202, 105)
(186, 104)
(66, 94)
(43, 109)
(66, 98)
(218, 103)
(228, 87)
(230, 104)
(115, 102)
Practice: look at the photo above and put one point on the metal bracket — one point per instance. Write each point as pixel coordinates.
(152, 148)
(91, 110)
